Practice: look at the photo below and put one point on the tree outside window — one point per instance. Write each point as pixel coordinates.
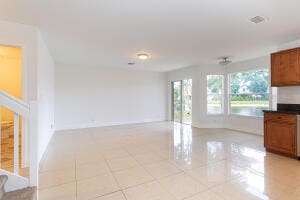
(249, 92)
(215, 94)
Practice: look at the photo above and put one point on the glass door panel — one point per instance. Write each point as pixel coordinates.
(187, 101)
(182, 101)
(176, 90)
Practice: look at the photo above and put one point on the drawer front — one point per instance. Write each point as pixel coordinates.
(281, 117)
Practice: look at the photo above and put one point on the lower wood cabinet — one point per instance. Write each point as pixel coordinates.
(280, 133)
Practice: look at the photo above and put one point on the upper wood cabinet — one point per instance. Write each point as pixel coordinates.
(285, 68)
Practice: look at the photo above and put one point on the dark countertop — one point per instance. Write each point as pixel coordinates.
(292, 109)
(290, 112)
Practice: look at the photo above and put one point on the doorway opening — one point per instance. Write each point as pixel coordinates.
(182, 101)
(11, 83)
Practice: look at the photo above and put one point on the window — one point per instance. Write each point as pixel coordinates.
(215, 94)
(249, 92)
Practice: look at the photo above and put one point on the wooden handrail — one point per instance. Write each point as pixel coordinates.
(14, 104)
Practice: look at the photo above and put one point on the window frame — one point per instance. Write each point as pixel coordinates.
(229, 92)
(222, 95)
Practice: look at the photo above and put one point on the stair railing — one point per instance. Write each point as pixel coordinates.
(29, 112)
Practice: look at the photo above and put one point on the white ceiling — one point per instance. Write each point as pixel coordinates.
(177, 33)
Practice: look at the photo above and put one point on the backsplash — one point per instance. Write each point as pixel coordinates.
(288, 95)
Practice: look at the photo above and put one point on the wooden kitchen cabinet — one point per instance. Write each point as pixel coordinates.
(285, 68)
(280, 133)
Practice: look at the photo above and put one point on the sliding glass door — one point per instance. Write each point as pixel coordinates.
(177, 101)
(182, 101)
(187, 101)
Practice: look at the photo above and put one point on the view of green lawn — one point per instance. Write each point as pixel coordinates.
(244, 103)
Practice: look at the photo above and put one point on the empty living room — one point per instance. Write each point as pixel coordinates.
(149, 100)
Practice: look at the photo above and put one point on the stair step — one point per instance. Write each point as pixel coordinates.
(24, 194)
(3, 180)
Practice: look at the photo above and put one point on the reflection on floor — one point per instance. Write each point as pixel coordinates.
(164, 161)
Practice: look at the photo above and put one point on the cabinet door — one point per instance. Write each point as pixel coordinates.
(293, 74)
(275, 69)
(285, 68)
(280, 137)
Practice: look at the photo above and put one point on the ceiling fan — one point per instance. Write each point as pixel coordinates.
(225, 61)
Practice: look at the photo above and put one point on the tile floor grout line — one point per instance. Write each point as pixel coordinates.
(146, 182)
(182, 171)
(54, 186)
(159, 184)
(76, 184)
(124, 195)
(112, 172)
(103, 195)
(140, 164)
(134, 138)
(105, 159)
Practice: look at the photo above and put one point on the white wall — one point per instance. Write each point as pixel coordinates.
(199, 99)
(198, 75)
(19, 35)
(37, 87)
(23, 36)
(45, 95)
(90, 96)
(37, 75)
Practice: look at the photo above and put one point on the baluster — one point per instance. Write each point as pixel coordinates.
(16, 143)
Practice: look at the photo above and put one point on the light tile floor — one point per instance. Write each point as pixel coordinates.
(164, 161)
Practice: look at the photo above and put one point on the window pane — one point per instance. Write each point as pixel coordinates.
(187, 101)
(215, 94)
(214, 104)
(214, 84)
(177, 101)
(249, 92)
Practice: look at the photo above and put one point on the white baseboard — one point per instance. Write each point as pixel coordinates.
(236, 128)
(44, 149)
(101, 124)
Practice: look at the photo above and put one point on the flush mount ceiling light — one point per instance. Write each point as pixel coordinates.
(225, 61)
(257, 19)
(143, 56)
